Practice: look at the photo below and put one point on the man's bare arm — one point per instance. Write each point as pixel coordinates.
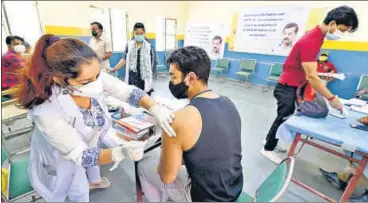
(310, 69)
(171, 154)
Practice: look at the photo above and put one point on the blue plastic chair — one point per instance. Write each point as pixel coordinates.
(247, 68)
(222, 66)
(161, 69)
(275, 184)
(274, 74)
(363, 84)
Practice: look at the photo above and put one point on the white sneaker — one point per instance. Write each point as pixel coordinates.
(272, 156)
(278, 148)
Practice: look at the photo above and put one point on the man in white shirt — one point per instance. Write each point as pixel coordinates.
(101, 45)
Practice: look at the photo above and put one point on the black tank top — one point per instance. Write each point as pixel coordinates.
(213, 163)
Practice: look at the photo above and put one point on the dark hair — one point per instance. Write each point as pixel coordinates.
(138, 25)
(217, 38)
(343, 15)
(10, 39)
(52, 57)
(192, 59)
(290, 25)
(99, 25)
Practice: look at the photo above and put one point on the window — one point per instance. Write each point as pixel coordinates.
(170, 34)
(114, 22)
(165, 34)
(119, 29)
(27, 25)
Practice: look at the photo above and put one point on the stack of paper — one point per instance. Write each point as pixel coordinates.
(340, 76)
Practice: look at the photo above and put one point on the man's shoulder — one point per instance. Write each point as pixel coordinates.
(105, 38)
(181, 115)
(10, 56)
(185, 117)
(313, 36)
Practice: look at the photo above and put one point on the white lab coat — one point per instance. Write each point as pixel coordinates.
(60, 137)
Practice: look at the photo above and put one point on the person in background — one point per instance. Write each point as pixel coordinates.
(324, 66)
(301, 66)
(290, 32)
(11, 61)
(28, 48)
(63, 88)
(139, 59)
(101, 44)
(341, 180)
(216, 47)
(209, 148)
(362, 94)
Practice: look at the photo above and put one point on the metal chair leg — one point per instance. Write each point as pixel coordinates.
(265, 89)
(247, 84)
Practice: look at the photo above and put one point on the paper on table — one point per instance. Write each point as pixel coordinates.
(362, 109)
(340, 76)
(355, 102)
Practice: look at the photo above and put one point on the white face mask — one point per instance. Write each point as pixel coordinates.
(93, 89)
(334, 36)
(20, 48)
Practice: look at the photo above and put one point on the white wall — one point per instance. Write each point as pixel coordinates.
(78, 13)
(222, 12)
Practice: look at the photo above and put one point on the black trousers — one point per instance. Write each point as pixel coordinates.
(286, 98)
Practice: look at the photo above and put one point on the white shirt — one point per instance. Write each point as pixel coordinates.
(101, 46)
(215, 55)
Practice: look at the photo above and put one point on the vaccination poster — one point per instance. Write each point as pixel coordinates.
(210, 37)
(270, 30)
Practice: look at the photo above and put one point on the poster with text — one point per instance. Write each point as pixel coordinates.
(210, 37)
(270, 30)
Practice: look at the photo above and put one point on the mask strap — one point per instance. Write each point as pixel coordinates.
(71, 88)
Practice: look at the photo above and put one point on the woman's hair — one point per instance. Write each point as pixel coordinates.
(52, 57)
(139, 25)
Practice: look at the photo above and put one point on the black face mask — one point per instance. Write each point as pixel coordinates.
(179, 91)
(94, 33)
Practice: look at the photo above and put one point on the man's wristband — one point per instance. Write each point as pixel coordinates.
(331, 98)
